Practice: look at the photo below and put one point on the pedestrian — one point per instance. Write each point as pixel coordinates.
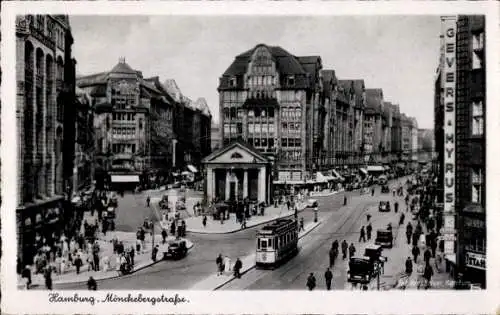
(132, 255)
(26, 273)
(288, 204)
(408, 234)
(415, 252)
(328, 279)
(301, 228)
(415, 238)
(402, 219)
(368, 217)
(345, 200)
(204, 221)
(48, 278)
(311, 282)
(427, 256)
(91, 284)
(373, 192)
(344, 249)
(408, 266)
(237, 268)
(362, 234)
(333, 255)
(369, 231)
(396, 206)
(428, 273)
(352, 250)
(78, 264)
(220, 266)
(154, 253)
(164, 235)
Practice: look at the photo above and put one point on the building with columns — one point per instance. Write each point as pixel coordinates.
(45, 122)
(237, 172)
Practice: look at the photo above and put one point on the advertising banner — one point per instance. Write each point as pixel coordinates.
(448, 67)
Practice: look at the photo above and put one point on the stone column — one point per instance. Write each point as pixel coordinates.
(245, 183)
(262, 185)
(210, 184)
(228, 189)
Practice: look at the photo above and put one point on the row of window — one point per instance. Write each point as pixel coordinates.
(260, 128)
(264, 80)
(123, 101)
(123, 148)
(291, 113)
(124, 116)
(477, 119)
(127, 132)
(48, 29)
(477, 178)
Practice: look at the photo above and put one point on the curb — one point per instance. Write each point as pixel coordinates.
(253, 267)
(248, 227)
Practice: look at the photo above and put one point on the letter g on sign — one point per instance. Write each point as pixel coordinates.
(450, 32)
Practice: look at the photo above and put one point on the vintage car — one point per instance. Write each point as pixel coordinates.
(374, 252)
(384, 238)
(312, 203)
(384, 206)
(382, 180)
(384, 189)
(175, 250)
(361, 270)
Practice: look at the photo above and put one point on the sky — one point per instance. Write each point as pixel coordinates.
(398, 54)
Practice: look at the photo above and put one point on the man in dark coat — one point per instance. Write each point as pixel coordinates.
(218, 262)
(48, 278)
(333, 255)
(328, 279)
(164, 235)
(427, 256)
(311, 282)
(344, 249)
(237, 268)
(154, 253)
(352, 250)
(92, 284)
(362, 234)
(415, 252)
(408, 266)
(369, 231)
(428, 273)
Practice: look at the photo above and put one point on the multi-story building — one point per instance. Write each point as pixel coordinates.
(373, 125)
(45, 75)
(396, 145)
(352, 93)
(425, 145)
(123, 105)
(83, 173)
(406, 140)
(215, 136)
(270, 99)
(464, 214)
(414, 142)
(386, 133)
(191, 128)
(470, 147)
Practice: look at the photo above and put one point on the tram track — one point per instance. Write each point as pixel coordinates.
(314, 245)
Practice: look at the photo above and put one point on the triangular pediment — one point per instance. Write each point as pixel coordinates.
(236, 153)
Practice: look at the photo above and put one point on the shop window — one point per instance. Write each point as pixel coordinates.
(284, 142)
(271, 113)
(257, 142)
(270, 141)
(264, 142)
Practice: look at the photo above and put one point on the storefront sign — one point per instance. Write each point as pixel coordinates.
(474, 260)
(448, 83)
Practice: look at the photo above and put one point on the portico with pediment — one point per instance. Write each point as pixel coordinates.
(237, 172)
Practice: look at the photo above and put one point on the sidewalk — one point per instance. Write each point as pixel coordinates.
(195, 225)
(324, 193)
(141, 260)
(215, 282)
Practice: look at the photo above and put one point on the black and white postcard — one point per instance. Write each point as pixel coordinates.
(249, 157)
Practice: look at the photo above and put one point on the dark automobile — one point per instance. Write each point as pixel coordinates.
(176, 250)
(164, 202)
(384, 238)
(384, 206)
(361, 270)
(374, 252)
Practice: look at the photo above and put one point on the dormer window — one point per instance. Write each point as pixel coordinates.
(232, 82)
(291, 80)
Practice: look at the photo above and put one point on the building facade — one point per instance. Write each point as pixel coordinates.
(215, 136)
(470, 147)
(83, 167)
(425, 146)
(396, 133)
(414, 142)
(373, 134)
(386, 134)
(45, 118)
(270, 99)
(406, 137)
(463, 192)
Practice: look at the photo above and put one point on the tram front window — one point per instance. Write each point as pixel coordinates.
(263, 243)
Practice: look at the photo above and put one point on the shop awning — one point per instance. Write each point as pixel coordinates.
(191, 168)
(375, 168)
(364, 171)
(320, 178)
(124, 178)
(288, 182)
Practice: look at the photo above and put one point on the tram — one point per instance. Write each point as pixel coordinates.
(276, 242)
